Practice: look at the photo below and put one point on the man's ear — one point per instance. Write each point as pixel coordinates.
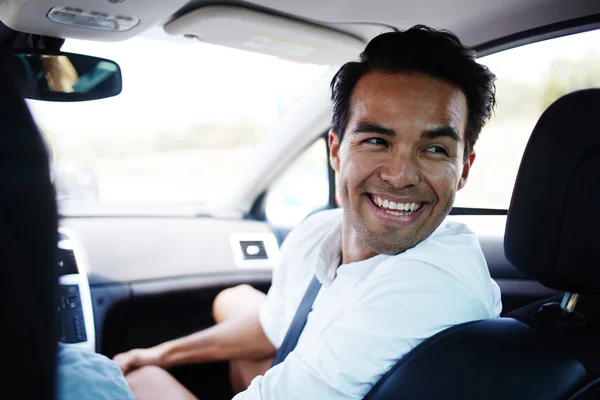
(334, 150)
(465, 171)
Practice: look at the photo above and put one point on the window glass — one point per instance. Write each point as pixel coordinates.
(189, 115)
(302, 189)
(529, 79)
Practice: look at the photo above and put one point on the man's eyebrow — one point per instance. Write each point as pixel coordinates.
(373, 127)
(447, 131)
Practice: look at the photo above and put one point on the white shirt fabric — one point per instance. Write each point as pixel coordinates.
(367, 314)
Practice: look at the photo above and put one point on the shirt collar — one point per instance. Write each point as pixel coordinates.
(329, 254)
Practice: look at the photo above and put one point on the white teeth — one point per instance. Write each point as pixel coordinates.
(392, 205)
(397, 214)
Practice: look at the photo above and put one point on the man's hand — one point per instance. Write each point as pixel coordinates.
(137, 358)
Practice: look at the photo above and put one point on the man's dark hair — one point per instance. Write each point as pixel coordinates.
(425, 51)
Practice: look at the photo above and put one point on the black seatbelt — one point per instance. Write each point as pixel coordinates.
(298, 323)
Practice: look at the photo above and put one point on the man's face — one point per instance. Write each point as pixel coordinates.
(401, 160)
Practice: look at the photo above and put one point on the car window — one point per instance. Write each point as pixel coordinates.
(189, 115)
(529, 79)
(302, 188)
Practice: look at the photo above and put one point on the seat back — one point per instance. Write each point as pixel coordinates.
(28, 237)
(494, 359)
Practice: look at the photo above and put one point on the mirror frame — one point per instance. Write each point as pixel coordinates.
(68, 97)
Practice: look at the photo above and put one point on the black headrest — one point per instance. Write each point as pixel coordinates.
(28, 237)
(553, 226)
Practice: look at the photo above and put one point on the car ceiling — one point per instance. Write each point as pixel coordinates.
(475, 21)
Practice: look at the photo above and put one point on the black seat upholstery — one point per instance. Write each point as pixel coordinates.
(547, 350)
(28, 234)
(483, 360)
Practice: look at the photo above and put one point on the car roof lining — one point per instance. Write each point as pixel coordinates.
(474, 21)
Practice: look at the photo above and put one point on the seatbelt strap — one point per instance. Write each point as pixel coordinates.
(298, 323)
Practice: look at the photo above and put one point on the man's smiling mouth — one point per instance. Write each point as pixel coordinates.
(396, 208)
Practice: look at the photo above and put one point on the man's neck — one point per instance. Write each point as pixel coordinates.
(353, 250)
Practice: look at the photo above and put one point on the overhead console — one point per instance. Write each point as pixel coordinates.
(76, 315)
(111, 20)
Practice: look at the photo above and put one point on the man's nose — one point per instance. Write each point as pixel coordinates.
(401, 170)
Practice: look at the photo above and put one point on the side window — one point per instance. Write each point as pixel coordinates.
(302, 189)
(529, 79)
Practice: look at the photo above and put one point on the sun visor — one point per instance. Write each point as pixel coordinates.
(268, 34)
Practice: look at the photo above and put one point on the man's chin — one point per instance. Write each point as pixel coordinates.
(380, 245)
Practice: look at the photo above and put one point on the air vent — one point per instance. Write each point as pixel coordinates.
(66, 262)
(65, 255)
(254, 250)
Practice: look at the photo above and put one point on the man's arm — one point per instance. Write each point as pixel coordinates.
(238, 337)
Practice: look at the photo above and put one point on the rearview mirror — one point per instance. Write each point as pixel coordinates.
(57, 76)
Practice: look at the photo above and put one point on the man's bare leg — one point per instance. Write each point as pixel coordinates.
(154, 383)
(231, 303)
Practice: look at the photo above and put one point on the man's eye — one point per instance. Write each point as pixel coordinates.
(436, 150)
(376, 141)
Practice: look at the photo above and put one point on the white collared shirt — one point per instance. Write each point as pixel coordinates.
(368, 314)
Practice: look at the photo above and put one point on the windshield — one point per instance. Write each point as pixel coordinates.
(189, 115)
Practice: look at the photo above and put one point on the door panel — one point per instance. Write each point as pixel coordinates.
(159, 310)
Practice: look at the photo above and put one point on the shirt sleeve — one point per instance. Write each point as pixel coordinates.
(400, 308)
(289, 279)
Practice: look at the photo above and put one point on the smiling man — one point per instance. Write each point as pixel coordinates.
(385, 272)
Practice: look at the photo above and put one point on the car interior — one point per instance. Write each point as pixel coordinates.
(195, 140)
